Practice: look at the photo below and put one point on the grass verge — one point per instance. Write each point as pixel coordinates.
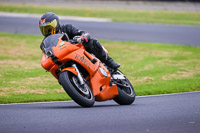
(152, 68)
(117, 15)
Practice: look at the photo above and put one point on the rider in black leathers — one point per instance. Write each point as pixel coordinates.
(49, 24)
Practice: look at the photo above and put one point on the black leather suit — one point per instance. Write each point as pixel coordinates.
(92, 46)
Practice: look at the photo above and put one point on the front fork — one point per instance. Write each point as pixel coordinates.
(80, 78)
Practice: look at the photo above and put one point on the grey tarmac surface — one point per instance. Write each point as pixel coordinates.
(177, 113)
(138, 32)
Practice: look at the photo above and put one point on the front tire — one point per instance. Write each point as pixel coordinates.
(82, 95)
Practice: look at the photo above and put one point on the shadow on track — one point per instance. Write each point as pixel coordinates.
(65, 105)
(75, 106)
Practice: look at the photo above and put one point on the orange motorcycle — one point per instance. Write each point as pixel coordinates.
(84, 77)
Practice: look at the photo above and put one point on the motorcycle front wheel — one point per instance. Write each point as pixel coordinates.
(81, 94)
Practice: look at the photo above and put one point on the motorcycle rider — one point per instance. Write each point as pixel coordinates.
(49, 24)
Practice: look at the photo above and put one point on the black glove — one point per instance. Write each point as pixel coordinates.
(80, 39)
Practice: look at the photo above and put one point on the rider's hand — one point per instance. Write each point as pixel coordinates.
(80, 39)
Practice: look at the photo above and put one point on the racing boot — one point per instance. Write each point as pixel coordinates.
(111, 63)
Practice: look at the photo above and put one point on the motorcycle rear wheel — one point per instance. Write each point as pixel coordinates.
(126, 91)
(82, 95)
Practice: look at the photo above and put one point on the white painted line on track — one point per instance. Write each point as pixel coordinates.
(25, 15)
(37, 103)
(171, 94)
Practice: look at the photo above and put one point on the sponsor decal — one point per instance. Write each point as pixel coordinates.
(62, 45)
(83, 60)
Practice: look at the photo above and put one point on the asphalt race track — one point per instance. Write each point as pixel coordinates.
(169, 34)
(178, 113)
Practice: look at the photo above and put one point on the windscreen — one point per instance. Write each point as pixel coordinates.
(49, 42)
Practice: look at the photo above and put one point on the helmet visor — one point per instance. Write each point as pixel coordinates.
(48, 28)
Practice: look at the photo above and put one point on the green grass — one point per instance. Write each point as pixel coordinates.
(151, 67)
(117, 15)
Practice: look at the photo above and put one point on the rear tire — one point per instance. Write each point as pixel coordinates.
(82, 95)
(126, 94)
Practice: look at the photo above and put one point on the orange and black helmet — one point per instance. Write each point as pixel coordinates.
(49, 24)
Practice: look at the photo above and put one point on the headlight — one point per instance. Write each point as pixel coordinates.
(103, 72)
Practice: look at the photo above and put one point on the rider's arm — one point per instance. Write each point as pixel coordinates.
(73, 31)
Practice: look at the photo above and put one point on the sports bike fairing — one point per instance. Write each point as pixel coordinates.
(65, 51)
